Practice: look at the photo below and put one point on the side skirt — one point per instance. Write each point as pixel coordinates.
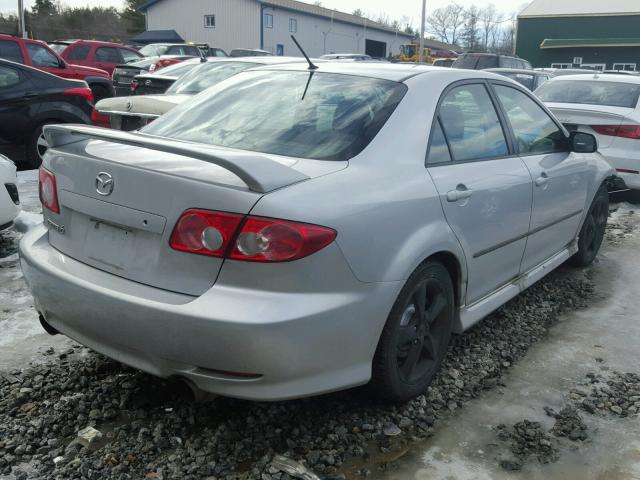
(472, 314)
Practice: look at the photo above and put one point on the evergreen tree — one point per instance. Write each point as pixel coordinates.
(133, 17)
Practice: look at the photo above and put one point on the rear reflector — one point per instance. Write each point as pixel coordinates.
(626, 170)
(624, 131)
(100, 120)
(134, 85)
(84, 92)
(253, 239)
(48, 190)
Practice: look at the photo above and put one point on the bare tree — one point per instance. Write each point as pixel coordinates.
(471, 28)
(490, 20)
(446, 23)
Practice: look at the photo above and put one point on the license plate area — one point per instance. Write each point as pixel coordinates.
(109, 244)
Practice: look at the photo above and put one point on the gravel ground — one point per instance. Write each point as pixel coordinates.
(150, 428)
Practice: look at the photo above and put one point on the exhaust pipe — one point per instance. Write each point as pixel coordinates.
(199, 396)
(47, 328)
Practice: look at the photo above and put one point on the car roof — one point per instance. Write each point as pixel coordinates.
(263, 60)
(603, 77)
(397, 72)
(516, 70)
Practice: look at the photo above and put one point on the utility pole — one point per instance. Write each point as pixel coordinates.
(22, 31)
(424, 14)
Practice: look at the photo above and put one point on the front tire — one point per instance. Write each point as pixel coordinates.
(416, 336)
(593, 229)
(36, 147)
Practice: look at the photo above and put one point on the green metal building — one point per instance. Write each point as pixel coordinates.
(600, 34)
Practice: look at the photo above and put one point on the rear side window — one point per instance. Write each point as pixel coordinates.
(438, 150)
(508, 62)
(42, 57)
(534, 130)
(10, 50)
(471, 124)
(107, 55)
(590, 92)
(318, 115)
(81, 52)
(9, 77)
(523, 79)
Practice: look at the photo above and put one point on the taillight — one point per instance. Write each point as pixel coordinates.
(624, 131)
(205, 232)
(134, 85)
(84, 92)
(100, 119)
(272, 240)
(255, 239)
(48, 190)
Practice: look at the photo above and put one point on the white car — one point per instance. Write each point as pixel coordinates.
(9, 200)
(605, 106)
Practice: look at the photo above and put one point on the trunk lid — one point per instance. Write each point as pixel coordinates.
(582, 117)
(126, 232)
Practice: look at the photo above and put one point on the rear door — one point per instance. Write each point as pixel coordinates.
(16, 103)
(559, 175)
(485, 192)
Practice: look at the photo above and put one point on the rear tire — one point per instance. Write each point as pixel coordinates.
(416, 336)
(593, 229)
(99, 92)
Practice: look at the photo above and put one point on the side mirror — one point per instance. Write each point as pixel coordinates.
(583, 142)
(62, 63)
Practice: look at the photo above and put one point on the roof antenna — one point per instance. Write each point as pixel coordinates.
(311, 65)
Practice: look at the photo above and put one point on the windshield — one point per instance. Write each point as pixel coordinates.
(408, 50)
(206, 75)
(153, 50)
(301, 114)
(590, 92)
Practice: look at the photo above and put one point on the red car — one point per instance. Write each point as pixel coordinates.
(102, 55)
(38, 55)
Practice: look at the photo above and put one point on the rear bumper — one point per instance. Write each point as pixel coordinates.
(297, 344)
(626, 161)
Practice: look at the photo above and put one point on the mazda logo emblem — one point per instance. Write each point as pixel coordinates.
(147, 82)
(104, 184)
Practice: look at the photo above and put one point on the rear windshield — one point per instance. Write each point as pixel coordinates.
(153, 50)
(207, 75)
(176, 70)
(587, 92)
(300, 114)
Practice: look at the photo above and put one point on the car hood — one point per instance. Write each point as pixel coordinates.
(144, 105)
(90, 71)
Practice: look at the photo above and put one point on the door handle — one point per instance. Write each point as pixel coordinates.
(460, 193)
(542, 180)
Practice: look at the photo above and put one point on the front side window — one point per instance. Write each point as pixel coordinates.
(9, 77)
(268, 20)
(534, 131)
(10, 50)
(81, 52)
(107, 55)
(317, 115)
(471, 124)
(590, 92)
(209, 21)
(41, 57)
(129, 56)
(293, 25)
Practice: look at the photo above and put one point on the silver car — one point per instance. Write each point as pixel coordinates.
(294, 230)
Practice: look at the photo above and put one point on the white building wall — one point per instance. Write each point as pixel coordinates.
(237, 21)
(318, 35)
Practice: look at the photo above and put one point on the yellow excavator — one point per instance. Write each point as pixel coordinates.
(409, 53)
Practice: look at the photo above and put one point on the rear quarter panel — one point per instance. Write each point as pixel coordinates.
(384, 205)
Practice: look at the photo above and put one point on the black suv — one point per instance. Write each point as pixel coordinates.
(480, 61)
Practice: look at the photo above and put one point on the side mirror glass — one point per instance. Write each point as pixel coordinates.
(583, 142)
(61, 63)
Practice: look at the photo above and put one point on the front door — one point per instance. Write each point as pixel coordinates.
(559, 176)
(16, 101)
(485, 193)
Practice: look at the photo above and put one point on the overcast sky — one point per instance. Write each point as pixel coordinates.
(395, 9)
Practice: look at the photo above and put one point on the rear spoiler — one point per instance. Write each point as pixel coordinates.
(258, 172)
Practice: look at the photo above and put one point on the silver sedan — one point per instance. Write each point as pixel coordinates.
(294, 231)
